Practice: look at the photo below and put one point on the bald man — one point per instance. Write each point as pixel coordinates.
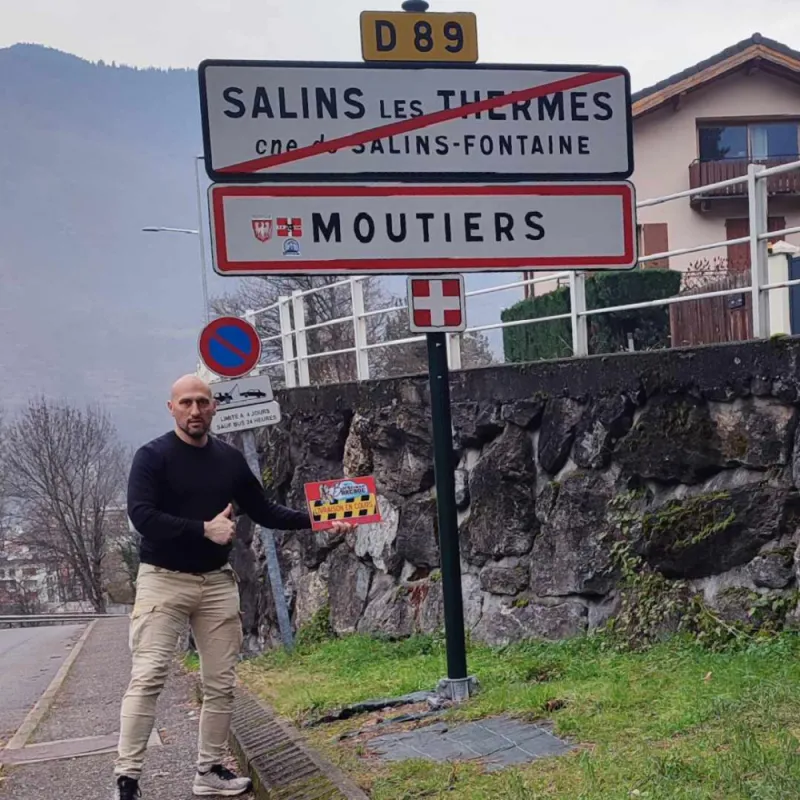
(181, 491)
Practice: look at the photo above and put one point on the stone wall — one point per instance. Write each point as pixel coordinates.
(707, 436)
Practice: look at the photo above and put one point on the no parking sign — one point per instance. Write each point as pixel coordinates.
(230, 347)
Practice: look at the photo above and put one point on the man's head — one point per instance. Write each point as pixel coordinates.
(193, 407)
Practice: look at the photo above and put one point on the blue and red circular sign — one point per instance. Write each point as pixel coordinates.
(230, 347)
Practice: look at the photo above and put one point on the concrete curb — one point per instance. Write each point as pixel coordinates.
(277, 758)
(37, 713)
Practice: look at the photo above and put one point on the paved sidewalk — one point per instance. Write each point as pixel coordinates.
(88, 706)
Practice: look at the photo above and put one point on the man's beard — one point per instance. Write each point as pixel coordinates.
(197, 431)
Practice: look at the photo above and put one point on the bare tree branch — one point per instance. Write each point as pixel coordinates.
(336, 304)
(65, 468)
(322, 306)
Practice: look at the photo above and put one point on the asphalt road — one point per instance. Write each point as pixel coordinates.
(29, 659)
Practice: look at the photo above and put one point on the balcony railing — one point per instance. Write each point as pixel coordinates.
(706, 173)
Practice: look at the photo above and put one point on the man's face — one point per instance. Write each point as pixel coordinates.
(193, 410)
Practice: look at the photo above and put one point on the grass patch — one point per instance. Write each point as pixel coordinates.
(675, 722)
(191, 661)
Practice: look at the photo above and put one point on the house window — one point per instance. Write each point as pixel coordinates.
(723, 141)
(754, 141)
(773, 140)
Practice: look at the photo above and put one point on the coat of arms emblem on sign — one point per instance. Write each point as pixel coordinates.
(262, 228)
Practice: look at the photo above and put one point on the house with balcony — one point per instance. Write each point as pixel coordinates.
(707, 124)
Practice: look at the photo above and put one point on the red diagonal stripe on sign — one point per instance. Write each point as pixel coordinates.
(417, 123)
(232, 347)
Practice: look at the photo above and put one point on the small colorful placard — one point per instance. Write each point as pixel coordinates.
(352, 500)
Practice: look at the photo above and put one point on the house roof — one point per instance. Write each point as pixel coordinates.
(758, 50)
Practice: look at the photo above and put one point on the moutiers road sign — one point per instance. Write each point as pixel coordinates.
(378, 229)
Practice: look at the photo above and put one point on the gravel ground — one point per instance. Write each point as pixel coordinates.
(94, 691)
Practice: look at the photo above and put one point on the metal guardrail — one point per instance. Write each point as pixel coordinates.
(35, 620)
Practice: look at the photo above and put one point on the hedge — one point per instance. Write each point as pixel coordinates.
(607, 332)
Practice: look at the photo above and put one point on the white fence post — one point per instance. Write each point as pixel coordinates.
(359, 329)
(757, 212)
(289, 372)
(577, 304)
(301, 342)
(454, 351)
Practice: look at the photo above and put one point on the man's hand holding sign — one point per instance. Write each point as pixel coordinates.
(341, 528)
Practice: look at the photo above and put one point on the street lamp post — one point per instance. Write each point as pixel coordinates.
(162, 229)
(197, 160)
(192, 232)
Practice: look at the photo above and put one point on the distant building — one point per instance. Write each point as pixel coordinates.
(30, 582)
(705, 125)
(35, 580)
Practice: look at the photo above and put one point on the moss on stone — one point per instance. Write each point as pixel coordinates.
(736, 593)
(786, 553)
(736, 445)
(681, 524)
(316, 630)
(778, 338)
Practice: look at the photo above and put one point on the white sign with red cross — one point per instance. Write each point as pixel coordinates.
(437, 304)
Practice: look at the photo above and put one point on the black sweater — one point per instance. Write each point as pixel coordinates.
(174, 488)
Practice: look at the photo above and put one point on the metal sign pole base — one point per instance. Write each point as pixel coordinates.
(458, 690)
(270, 550)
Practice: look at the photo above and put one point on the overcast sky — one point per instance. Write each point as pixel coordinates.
(653, 38)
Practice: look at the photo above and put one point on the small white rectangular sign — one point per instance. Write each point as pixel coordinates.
(231, 420)
(307, 230)
(318, 121)
(242, 392)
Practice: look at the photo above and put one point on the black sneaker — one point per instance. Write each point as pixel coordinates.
(220, 782)
(127, 789)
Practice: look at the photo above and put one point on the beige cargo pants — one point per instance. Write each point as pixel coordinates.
(165, 600)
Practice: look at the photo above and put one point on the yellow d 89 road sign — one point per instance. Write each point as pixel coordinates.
(433, 37)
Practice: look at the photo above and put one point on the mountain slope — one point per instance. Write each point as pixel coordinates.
(91, 308)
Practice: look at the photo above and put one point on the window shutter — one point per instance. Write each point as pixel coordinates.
(655, 239)
(776, 224)
(739, 254)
